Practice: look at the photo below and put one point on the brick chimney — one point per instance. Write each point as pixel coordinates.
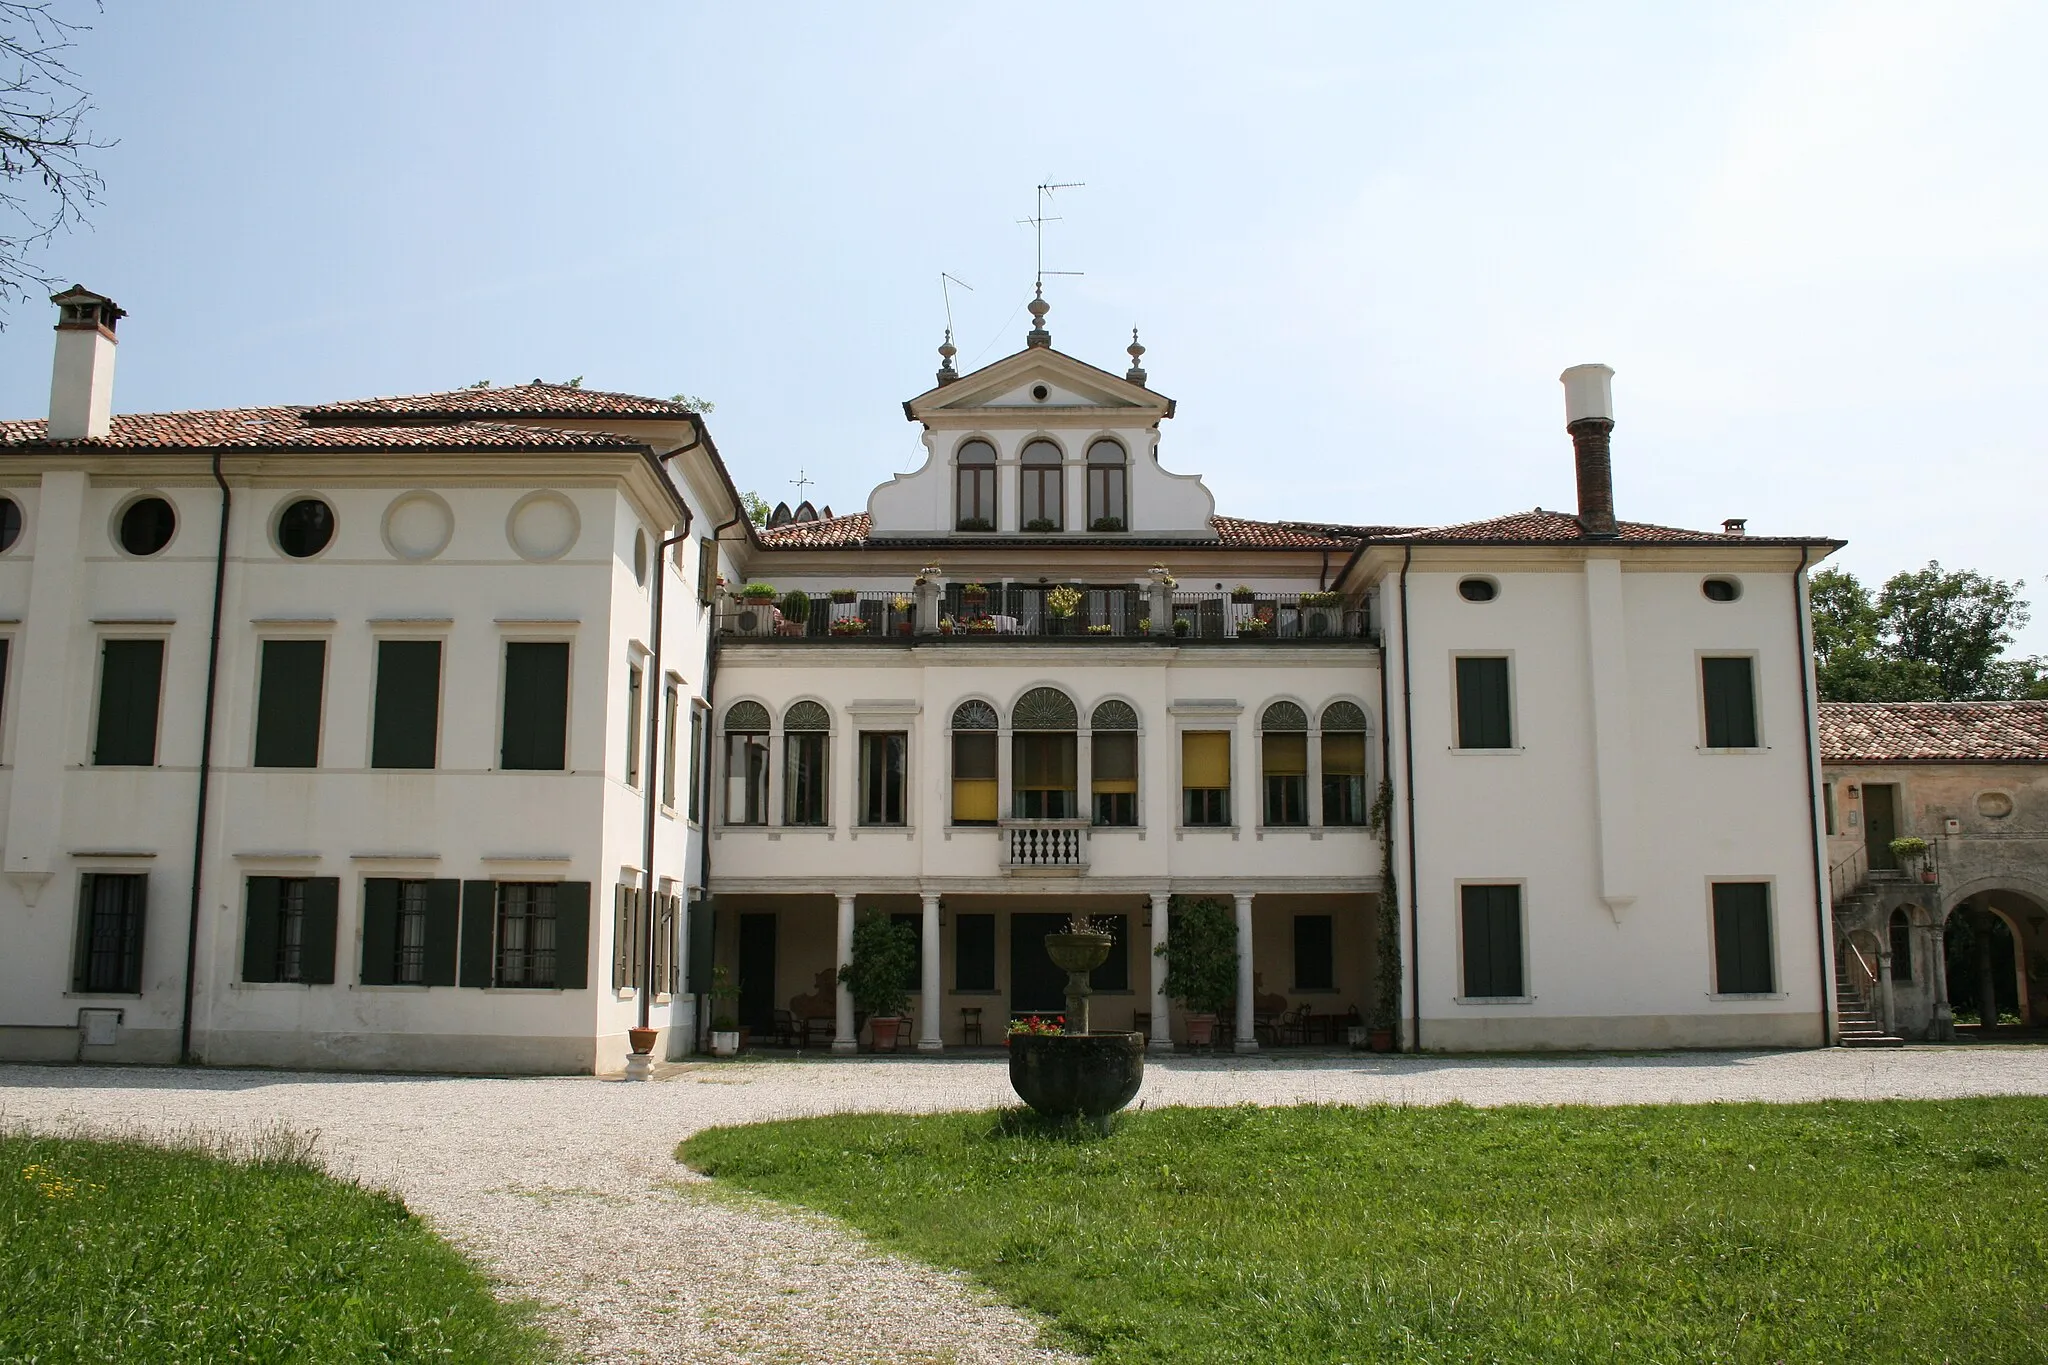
(1589, 417)
(82, 377)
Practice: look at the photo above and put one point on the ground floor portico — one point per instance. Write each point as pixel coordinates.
(1305, 964)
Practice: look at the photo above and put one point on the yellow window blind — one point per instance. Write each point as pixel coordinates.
(974, 798)
(1115, 761)
(1286, 755)
(1344, 755)
(1205, 759)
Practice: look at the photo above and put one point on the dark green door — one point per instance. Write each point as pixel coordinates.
(1036, 985)
(757, 971)
(1880, 823)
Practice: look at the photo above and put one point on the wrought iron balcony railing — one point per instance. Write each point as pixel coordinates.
(1012, 611)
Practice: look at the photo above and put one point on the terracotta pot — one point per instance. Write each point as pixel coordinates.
(1928, 876)
(1381, 1040)
(642, 1039)
(886, 1032)
(1201, 1030)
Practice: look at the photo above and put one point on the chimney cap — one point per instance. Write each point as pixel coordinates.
(81, 308)
(1588, 393)
(1735, 526)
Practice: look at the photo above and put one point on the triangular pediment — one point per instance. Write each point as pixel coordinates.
(1038, 379)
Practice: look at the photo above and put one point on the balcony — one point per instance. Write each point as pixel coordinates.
(1042, 847)
(1013, 611)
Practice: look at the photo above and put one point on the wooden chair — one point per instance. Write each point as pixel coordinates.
(786, 1032)
(1267, 1025)
(1294, 1026)
(970, 1025)
(1141, 1022)
(819, 1028)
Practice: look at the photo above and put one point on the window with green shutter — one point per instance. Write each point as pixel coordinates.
(1493, 941)
(410, 931)
(1729, 686)
(1485, 717)
(405, 729)
(536, 733)
(112, 909)
(288, 929)
(1742, 938)
(288, 703)
(131, 678)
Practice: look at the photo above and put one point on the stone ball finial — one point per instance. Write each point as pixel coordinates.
(1038, 308)
(1136, 374)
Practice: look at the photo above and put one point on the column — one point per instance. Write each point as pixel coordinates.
(1162, 1031)
(1987, 974)
(1246, 1042)
(843, 1039)
(1884, 987)
(928, 1039)
(1944, 1027)
(1084, 771)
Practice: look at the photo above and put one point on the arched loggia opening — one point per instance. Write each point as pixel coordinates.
(1990, 942)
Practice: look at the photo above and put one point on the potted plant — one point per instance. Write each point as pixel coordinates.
(759, 592)
(878, 975)
(1105, 628)
(1060, 604)
(850, 625)
(973, 594)
(976, 524)
(901, 606)
(1201, 964)
(642, 1039)
(796, 609)
(1911, 851)
(1106, 524)
(1035, 1026)
(843, 595)
(1041, 525)
(981, 625)
(946, 625)
(725, 1029)
(1256, 626)
(1242, 593)
(1181, 626)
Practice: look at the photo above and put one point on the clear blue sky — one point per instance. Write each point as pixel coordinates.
(1361, 240)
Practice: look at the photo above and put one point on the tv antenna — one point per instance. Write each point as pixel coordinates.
(946, 294)
(1037, 224)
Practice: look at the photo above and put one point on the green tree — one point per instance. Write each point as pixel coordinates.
(1201, 955)
(756, 506)
(1928, 635)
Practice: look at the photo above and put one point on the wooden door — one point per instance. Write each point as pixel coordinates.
(757, 972)
(1880, 823)
(1036, 985)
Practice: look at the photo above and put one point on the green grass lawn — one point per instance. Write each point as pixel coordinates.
(1883, 1231)
(118, 1251)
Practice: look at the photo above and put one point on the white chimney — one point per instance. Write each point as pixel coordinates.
(82, 378)
(1589, 417)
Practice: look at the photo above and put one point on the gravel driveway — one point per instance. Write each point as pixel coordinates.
(566, 1189)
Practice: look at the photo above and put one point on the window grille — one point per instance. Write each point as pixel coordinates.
(526, 934)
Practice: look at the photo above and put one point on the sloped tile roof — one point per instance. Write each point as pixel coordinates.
(533, 400)
(1541, 526)
(852, 530)
(1934, 731)
(830, 533)
(287, 429)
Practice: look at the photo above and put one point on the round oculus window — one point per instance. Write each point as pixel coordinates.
(1478, 589)
(1721, 589)
(10, 523)
(1040, 392)
(305, 527)
(147, 526)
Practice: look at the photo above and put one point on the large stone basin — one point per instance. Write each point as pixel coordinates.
(1077, 1075)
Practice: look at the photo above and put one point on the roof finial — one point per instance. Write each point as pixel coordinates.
(947, 350)
(1038, 308)
(1136, 374)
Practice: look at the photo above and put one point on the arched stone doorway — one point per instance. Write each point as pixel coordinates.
(1995, 943)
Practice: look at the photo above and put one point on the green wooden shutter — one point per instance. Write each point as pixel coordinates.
(1313, 952)
(622, 935)
(4, 642)
(288, 703)
(1493, 940)
(380, 931)
(536, 706)
(131, 676)
(406, 722)
(1730, 689)
(321, 925)
(479, 932)
(572, 936)
(259, 928)
(1742, 938)
(444, 919)
(137, 885)
(1483, 719)
(81, 948)
(702, 946)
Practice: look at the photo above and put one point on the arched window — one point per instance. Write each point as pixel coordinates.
(806, 739)
(975, 487)
(1283, 763)
(1113, 763)
(1108, 486)
(746, 764)
(1902, 947)
(1042, 763)
(1044, 494)
(974, 764)
(1344, 800)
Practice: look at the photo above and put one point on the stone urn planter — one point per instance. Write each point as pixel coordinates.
(725, 1042)
(1086, 1076)
(642, 1039)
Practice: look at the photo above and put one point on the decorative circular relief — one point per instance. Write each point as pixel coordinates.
(418, 525)
(543, 526)
(1997, 805)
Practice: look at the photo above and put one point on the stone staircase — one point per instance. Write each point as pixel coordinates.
(1856, 1025)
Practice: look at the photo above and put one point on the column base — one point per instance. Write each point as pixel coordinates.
(1245, 1045)
(1159, 1045)
(639, 1066)
(930, 1045)
(845, 1047)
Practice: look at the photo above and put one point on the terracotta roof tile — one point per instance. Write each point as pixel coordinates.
(1544, 527)
(286, 429)
(853, 529)
(533, 400)
(830, 533)
(1933, 731)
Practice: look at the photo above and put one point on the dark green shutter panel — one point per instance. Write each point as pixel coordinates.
(1115, 972)
(479, 926)
(1742, 938)
(322, 923)
(444, 918)
(701, 948)
(131, 674)
(259, 929)
(3, 678)
(1483, 704)
(1493, 940)
(138, 915)
(536, 706)
(82, 949)
(408, 703)
(288, 703)
(380, 930)
(622, 935)
(1730, 690)
(974, 952)
(572, 936)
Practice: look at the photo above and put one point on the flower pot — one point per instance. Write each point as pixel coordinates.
(1201, 1030)
(886, 1031)
(903, 627)
(1927, 876)
(1077, 1075)
(1381, 1039)
(725, 1044)
(642, 1039)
